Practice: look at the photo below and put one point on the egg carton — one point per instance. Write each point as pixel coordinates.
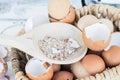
(19, 58)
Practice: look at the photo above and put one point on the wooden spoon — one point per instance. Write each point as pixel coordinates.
(28, 42)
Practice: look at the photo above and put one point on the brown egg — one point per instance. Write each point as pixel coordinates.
(61, 11)
(63, 75)
(93, 64)
(112, 56)
(96, 37)
(86, 21)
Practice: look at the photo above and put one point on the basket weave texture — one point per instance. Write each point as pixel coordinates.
(18, 58)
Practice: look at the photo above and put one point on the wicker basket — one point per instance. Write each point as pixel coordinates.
(19, 58)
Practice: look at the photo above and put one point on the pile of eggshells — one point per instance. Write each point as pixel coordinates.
(99, 35)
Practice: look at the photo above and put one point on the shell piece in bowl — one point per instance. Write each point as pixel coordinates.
(60, 31)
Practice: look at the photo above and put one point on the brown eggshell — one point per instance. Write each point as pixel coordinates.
(98, 45)
(93, 64)
(112, 56)
(5, 67)
(45, 76)
(69, 18)
(63, 75)
(86, 21)
(58, 9)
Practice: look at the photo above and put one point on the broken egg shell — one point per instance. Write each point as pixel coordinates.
(86, 21)
(3, 67)
(98, 44)
(63, 75)
(69, 18)
(93, 64)
(59, 9)
(45, 75)
(112, 56)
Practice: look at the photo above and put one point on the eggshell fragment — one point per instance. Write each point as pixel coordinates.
(63, 75)
(86, 21)
(96, 37)
(93, 64)
(38, 70)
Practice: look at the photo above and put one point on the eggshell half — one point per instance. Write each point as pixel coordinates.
(69, 18)
(96, 37)
(58, 9)
(93, 64)
(38, 70)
